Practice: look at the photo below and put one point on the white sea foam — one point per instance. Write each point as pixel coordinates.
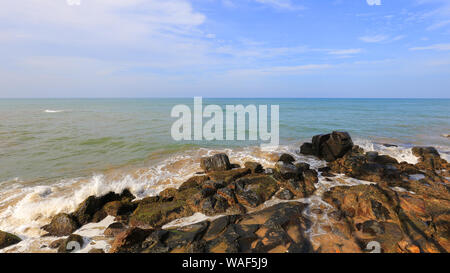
(397, 152)
(53, 111)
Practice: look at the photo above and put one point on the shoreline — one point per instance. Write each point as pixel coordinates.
(245, 206)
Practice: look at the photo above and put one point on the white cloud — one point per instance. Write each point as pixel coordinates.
(374, 39)
(436, 47)
(438, 25)
(345, 51)
(281, 4)
(374, 2)
(280, 70)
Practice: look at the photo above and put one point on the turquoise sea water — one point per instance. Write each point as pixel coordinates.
(44, 140)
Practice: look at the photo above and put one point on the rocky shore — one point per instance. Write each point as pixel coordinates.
(403, 208)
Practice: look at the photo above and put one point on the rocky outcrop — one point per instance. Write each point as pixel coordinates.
(329, 146)
(93, 209)
(404, 209)
(8, 239)
(399, 221)
(279, 229)
(218, 162)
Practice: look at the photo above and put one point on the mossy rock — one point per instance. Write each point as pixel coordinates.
(156, 214)
(8, 239)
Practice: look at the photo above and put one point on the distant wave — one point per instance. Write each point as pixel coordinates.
(53, 111)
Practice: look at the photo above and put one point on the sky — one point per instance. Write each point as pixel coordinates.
(225, 48)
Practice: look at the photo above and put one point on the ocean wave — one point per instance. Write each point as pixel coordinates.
(53, 111)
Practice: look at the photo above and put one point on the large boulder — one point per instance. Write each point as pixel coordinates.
(8, 239)
(61, 225)
(218, 162)
(329, 146)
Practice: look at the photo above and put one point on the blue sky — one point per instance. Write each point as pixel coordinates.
(225, 48)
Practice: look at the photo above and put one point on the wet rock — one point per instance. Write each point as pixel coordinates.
(329, 146)
(310, 176)
(302, 166)
(61, 225)
(56, 244)
(377, 213)
(248, 198)
(114, 229)
(287, 159)
(429, 158)
(96, 251)
(89, 207)
(285, 194)
(218, 162)
(117, 208)
(300, 188)
(281, 228)
(72, 243)
(287, 170)
(228, 176)
(151, 213)
(193, 182)
(254, 167)
(129, 241)
(8, 239)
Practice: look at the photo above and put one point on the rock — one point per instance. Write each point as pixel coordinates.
(287, 159)
(152, 214)
(285, 194)
(377, 213)
(287, 170)
(228, 176)
(310, 176)
(328, 147)
(254, 167)
(96, 251)
(300, 188)
(218, 162)
(307, 149)
(8, 239)
(117, 208)
(61, 225)
(130, 240)
(89, 207)
(56, 244)
(429, 158)
(114, 229)
(280, 228)
(72, 243)
(302, 166)
(193, 182)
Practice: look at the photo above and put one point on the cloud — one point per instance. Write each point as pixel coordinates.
(280, 70)
(345, 51)
(438, 25)
(436, 47)
(281, 4)
(374, 2)
(374, 39)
